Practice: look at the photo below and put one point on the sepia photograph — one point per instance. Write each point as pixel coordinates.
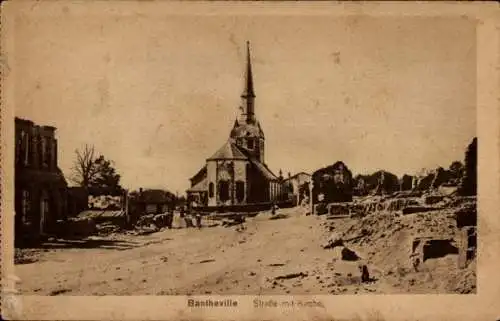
(172, 153)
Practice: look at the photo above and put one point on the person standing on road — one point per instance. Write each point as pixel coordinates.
(274, 208)
(198, 220)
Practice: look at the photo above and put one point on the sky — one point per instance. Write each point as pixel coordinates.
(158, 94)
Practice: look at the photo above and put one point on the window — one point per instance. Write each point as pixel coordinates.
(250, 143)
(48, 153)
(240, 191)
(211, 190)
(224, 191)
(27, 149)
(25, 205)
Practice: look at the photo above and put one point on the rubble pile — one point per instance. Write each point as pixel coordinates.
(435, 241)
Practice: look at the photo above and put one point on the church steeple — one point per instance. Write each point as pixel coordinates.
(248, 94)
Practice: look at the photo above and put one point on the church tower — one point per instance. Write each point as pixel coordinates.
(246, 131)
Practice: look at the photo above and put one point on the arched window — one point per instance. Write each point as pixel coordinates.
(240, 191)
(250, 143)
(224, 191)
(211, 190)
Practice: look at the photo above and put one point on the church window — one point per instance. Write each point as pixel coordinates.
(224, 191)
(250, 143)
(211, 190)
(240, 191)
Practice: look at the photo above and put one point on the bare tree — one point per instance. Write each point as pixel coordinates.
(84, 169)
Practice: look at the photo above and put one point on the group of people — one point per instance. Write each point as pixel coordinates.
(185, 213)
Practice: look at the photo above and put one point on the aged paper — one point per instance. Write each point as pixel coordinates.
(249, 161)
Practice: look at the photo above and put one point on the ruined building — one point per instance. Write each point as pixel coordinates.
(334, 183)
(40, 187)
(468, 185)
(236, 174)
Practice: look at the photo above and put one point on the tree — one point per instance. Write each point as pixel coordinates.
(92, 172)
(105, 175)
(84, 169)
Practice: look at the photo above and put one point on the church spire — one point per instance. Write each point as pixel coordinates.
(248, 94)
(248, 91)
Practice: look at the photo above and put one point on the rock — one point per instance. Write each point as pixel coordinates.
(349, 255)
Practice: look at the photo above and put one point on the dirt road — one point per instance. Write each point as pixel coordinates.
(268, 257)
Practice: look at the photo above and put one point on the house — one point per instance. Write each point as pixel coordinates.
(297, 187)
(151, 201)
(40, 186)
(236, 174)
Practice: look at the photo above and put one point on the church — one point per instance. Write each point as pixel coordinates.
(236, 174)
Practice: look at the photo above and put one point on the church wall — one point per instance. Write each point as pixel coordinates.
(258, 187)
(212, 178)
(225, 176)
(240, 175)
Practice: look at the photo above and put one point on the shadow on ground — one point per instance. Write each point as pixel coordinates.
(85, 244)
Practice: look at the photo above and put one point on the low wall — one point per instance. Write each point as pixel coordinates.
(258, 207)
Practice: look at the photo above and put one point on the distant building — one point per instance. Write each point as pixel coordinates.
(151, 201)
(40, 186)
(297, 187)
(236, 174)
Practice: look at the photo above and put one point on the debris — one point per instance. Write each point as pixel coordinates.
(333, 241)
(365, 275)
(291, 276)
(278, 216)
(59, 291)
(417, 209)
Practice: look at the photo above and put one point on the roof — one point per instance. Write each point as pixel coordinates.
(201, 172)
(300, 173)
(202, 186)
(228, 151)
(101, 214)
(264, 170)
(248, 91)
(155, 196)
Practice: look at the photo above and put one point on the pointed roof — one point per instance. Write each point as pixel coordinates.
(248, 91)
(228, 151)
(264, 170)
(202, 186)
